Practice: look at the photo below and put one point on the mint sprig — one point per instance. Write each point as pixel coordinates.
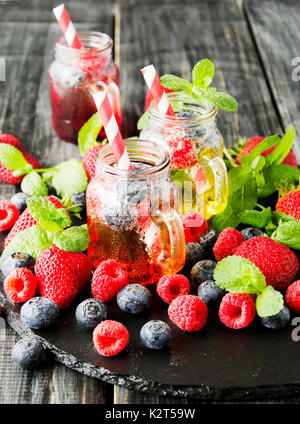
(11, 157)
(74, 239)
(87, 136)
(47, 215)
(269, 302)
(200, 90)
(33, 185)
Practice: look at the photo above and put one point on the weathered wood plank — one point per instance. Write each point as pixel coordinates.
(275, 28)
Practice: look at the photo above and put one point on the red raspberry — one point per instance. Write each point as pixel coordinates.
(108, 279)
(171, 286)
(227, 243)
(292, 297)
(20, 285)
(182, 152)
(188, 312)
(237, 310)
(9, 214)
(194, 226)
(110, 337)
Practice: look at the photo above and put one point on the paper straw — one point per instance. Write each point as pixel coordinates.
(67, 26)
(153, 82)
(112, 130)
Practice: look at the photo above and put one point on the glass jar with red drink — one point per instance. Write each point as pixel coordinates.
(74, 75)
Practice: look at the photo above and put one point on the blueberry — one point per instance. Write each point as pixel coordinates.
(251, 232)
(194, 253)
(79, 199)
(208, 241)
(39, 312)
(90, 313)
(186, 114)
(155, 334)
(19, 200)
(203, 271)
(210, 293)
(17, 260)
(51, 190)
(29, 353)
(277, 321)
(134, 299)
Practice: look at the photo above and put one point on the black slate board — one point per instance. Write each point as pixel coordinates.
(216, 363)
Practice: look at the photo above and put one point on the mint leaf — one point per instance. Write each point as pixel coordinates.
(172, 82)
(143, 121)
(274, 175)
(245, 197)
(227, 218)
(283, 148)
(203, 73)
(288, 233)
(220, 100)
(269, 302)
(33, 185)
(239, 275)
(255, 218)
(47, 215)
(87, 136)
(283, 217)
(33, 240)
(74, 239)
(70, 178)
(238, 177)
(11, 157)
(264, 145)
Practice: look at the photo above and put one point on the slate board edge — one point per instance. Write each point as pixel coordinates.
(132, 382)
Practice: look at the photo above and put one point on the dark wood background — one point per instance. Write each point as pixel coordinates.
(252, 44)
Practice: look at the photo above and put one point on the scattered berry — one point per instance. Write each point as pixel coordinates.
(249, 233)
(290, 204)
(62, 275)
(17, 260)
(194, 252)
(20, 285)
(210, 293)
(110, 337)
(89, 161)
(208, 241)
(188, 312)
(203, 271)
(277, 262)
(90, 313)
(134, 299)
(19, 200)
(9, 214)
(171, 286)
(237, 310)
(194, 226)
(155, 334)
(227, 243)
(29, 353)
(39, 313)
(292, 297)
(254, 141)
(108, 279)
(277, 321)
(79, 199)
(182, 152)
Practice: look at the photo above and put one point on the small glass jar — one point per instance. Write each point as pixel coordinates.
(74, 75)
(196, 148)
(130, 214)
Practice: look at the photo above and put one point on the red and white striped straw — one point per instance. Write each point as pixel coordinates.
(112, 130)
(67, 26)
(153, 82)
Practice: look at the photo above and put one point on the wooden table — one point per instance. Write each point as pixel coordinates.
(253, 44)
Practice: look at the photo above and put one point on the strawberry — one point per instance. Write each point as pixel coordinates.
(25, 220)
(89, 161)
(5, 174)
(290, 204)
(62, 275)
(182, 152)
(254, 141)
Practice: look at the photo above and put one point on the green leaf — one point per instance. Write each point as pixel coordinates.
(283, 148)
(239, 275)
(70, 178)
(172, 82)
(274, 175)
(269, 302)
(11, 157)
(47, 215)
(264, 145)
(227, 218)
(33, 240)
(203, 73)
(283, 217)
(74, 239)
(255, 218)
(143, 121)
(238, 177)
(245, 197)
(258, 163)
(220, 100)
(288, 233)
(87, 136)
(33, 185)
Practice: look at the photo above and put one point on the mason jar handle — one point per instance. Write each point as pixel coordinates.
(174, 262)
(219, 170)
